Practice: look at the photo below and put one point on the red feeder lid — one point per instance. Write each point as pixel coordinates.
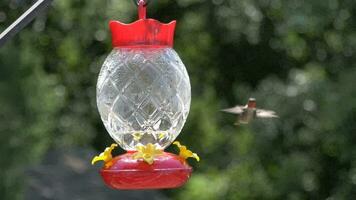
(143, 32)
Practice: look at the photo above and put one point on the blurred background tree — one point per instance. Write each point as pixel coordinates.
(294, 56)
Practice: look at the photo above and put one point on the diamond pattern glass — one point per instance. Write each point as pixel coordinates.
(143, 96)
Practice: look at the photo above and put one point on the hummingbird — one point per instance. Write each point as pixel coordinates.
(249, 112)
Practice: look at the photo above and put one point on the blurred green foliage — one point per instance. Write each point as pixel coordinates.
(295, 56)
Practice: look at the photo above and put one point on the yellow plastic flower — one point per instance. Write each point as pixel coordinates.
(104, 156)
(186, 153)
(147, 153)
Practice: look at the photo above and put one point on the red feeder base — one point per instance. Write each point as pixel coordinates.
(167, 171)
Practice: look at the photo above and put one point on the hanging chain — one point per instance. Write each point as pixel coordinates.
(145, 2)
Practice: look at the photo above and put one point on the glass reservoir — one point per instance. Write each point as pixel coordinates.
(143, 95)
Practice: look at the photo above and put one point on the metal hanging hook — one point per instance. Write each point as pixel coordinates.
(145, 2)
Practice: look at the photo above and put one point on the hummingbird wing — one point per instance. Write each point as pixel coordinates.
(234, 110)
(266, 113)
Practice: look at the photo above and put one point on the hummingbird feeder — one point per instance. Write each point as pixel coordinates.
(143, 97)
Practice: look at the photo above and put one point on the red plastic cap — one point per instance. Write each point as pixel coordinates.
(167, 171)
(141, 33)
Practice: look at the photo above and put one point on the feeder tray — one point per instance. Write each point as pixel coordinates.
(167, 171)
